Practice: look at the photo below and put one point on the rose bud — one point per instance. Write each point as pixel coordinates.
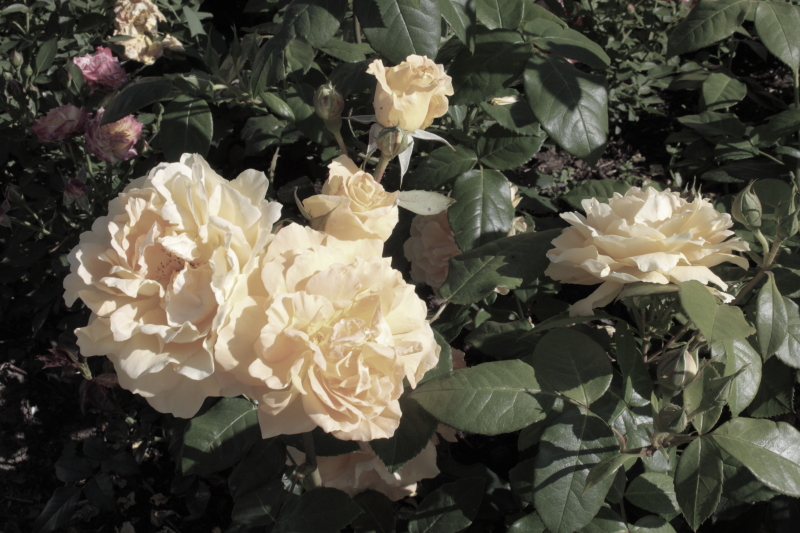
(328, 102)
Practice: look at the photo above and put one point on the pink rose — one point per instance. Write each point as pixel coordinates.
(114, 141)
(101, 70)
(59, 123)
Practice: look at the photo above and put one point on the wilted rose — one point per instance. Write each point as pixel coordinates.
(114, 141)
(352, 204)
(59, 123)
(430, 248)
(101, 70)
(322, 333)
(135, 17)
(359, 471)
(411, 94)
(156, 270)
(645, 235)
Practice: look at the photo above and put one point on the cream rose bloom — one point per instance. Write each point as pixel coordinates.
(352, 204)
(360, 471)
(156, 271)
(411, 94)
(646, 235)
(322, 332)
(430, 247)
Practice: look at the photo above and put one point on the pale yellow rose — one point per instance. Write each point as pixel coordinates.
(411, 94)
(360, 471)
(322, 332)
(156, 271)
(143, 49)
(430, 247)
(650, 236)
(135, 17)
(352, 204)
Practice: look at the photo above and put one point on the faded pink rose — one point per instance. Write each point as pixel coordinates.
(101, 70)
(59, 123)
(114, 141)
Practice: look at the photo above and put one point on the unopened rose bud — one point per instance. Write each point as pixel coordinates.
(27, 71)
(747, 208)
(328, 102)
(677, 372)
(392, 141)
(16, 58)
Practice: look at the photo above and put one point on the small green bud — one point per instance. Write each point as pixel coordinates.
(676, 372)
(328, 102)
(16, 58)
(392, 141)
(747, 208)
(27, 71)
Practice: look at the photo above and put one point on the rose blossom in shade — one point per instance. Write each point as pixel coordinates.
(430, 248)
(363, 470)
(156, 271)
(101, 70)
(59, 123)
(114, 141)
(643, 236)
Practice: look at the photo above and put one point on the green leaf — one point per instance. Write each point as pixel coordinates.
(409, 439)
(424, 202)
(777, 128)
(775, 393)
(265, 460)
(653, 492)
(259, 133)
(441, 166)
(777, 25)
(135, 96)
(502, 150)
(721, 91)
(489, 399)
(482, 212)
(572, 364)
(652, 524)
(322, 510)
(531, 523)
(607, 468)
(717, 322)
(789, 351)
(450, 508)
(498, 60)
(740, 484)
(498, 339)
(445, 364)
(277, 106)
(460, 15)
(634, 372)
(770, 450)
(500, 14)
(58, 510)
(510, 262)
(571, 105)
(565, 42)
(378, 515)
(521, 480)
(606, 521)
(575, 442)
(601, 190)
(350, 52)
(698, 481)
(707, 23)
(398, 28)
(705, 397)
(46, 55)
(193, 21)
(517, 117)
(325, 444)
(300, 98)
(187, 127)
(218, 438)
(772, 319)
(742, 358)
(714, 125)
(259, 507)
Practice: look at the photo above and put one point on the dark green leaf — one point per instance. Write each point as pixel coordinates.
(634, 371)
(608, 468)
(698, 481)
(720, 91)
(218, 438)
(322, 510)
(770, 450)
(259, 133)
(277, 106)
(571, 105)
(779, 126)
(300, 98)
(100, 492)
(193, 21)
(409, 439)
(135, 96)
(58, 510)
(772, 319)
(500, 14)
(378, 515)
(498, 339)
(570, 447)
(775, 392)
(260, 506)
(509, 262)
(187, 127)
(789, 351)
(398, 28)
(489, 399)
(265, 460)
(777, 24)
(521, 479)
(531, 523)
(707, 23)
(517, 117)
(717, 322)
(601, 190)
(740, 484)
(441, 166)
(460, 15)
(653, 492)
(445, 364)
(565, 42)
(46, 55)
(498, 60)
(482, 212)
(502, 150)
(325, 444)
(705, 397)
(606, 521)
(741, 356)
(572, 364)
(450, 508)
(652, 524)
(350, 52)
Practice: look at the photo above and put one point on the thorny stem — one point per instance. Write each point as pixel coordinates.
(670, 342)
